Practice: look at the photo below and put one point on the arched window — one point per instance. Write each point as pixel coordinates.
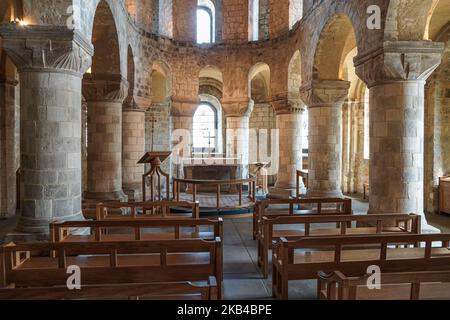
(205, 22)
(305, 134)
(205, 129)
(254, 20)
(366, 125)
(295, 12)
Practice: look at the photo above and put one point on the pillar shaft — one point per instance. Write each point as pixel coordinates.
(50, 120)
(133, 139)
(237, 112)
(289, 125)
(325, 99)
(9, 162)
(396, 78)
(396, 146)
(104, 95)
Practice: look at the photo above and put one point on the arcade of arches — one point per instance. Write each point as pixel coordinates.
(305, 83)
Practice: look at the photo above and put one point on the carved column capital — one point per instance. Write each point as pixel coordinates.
(399, 61)
(47, 48)
(104, 87)
(282, 104)
(323, 93)
(238, 107)
(184, 106)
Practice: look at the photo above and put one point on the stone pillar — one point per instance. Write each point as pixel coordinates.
(396, 78)
(237, 113)
(50, 61)
(324, 99)
(289, 125)
(182, 114)
(104, 95)
(8, 142)
(133, 148)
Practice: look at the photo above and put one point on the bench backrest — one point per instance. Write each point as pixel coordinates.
(331, 206)
(144, 210)
(60, 230)
(14, 258)
(426, 260)
(408, 223)
(170, 290)
(394, 286)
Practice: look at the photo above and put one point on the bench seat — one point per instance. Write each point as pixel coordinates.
(122, 260)
(144, 237)
(421, 285)
(288, 233)
(366, 255)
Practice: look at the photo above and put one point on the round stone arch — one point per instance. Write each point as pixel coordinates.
(336, 40)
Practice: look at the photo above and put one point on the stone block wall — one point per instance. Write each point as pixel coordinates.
(184, 26)
(279, 18)
(9, 145)
(235, 21)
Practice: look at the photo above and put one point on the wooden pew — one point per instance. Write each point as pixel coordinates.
(205, 290)
(136, 262)
(307, 207)
(352, 255)
(428, 285)
(138, 230)
(146, 210)
(329, 226)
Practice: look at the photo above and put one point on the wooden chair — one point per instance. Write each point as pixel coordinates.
(428, 285)
(352, 255)
(312, 226)
(146, 210)
(205, 290)
(136, 262)
(307, 207)
(137, 230)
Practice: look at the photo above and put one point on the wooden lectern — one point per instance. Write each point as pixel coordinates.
(155, 159)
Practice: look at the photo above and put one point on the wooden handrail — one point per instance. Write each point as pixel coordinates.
(251, 181)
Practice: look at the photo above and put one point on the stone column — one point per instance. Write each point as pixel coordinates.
(50, 61)
(396, 78)
(289, 125)
(237, 113)
(104, 95)
(324, 99)
(133, 148)
(8, 147)
(182, 114)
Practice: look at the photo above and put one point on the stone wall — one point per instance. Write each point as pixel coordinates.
(160, 114)
(263, 118)
(235, 21)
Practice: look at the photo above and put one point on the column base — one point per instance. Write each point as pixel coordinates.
(281, 193)
(38, 229)
(133, 192)
(324, 194)
(426, 227)
(91, 199)
(105, 196)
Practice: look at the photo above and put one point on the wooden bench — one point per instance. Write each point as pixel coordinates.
(431, 285)
(309, 226)
(136, 262)
(307, 207)
(146, 210)
(205, 290)
(352, 255)
(138, 230)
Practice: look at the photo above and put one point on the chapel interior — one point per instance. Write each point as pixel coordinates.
(225, 149)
